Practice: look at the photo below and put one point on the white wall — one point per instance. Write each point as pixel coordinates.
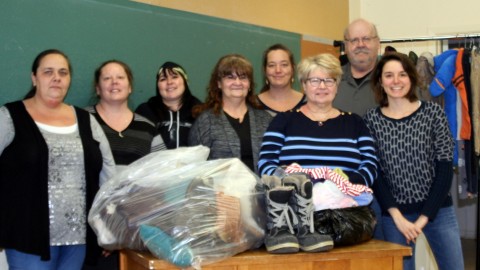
(413, 18)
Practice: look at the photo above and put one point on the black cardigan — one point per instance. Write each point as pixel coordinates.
(24, 216)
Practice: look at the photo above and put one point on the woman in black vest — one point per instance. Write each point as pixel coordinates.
(53, 158)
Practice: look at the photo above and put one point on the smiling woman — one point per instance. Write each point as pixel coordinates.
(131, 136)
(171, 107)
(318, 134)
(277, 94)
(415, 151)
(230, 122)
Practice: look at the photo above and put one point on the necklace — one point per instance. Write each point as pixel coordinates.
(320, 120)
(115, 123)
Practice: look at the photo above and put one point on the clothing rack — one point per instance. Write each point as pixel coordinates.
(341, 43)
(435, 38)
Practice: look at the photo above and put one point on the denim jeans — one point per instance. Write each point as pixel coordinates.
(442, 234)
(378, 230)
(61, 258)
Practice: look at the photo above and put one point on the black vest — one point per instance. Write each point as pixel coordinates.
(24, 214)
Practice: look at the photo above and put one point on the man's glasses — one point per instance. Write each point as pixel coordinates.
(365, 40)
(315, 82)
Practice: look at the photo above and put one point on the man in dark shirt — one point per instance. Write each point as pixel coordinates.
(362, 46)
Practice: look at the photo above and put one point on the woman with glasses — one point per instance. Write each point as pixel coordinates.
(231, 122)
(318, 134)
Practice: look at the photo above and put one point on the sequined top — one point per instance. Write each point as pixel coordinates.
(66, 185)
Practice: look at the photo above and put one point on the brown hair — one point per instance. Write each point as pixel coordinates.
(227, 65)
(98, 71)
(36, 64)
(276, 47)
(379, 93)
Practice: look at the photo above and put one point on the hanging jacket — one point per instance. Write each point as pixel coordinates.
(425, 73)
(442, 84)
(458, 80)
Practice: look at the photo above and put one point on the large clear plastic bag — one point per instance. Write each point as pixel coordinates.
(184, 209)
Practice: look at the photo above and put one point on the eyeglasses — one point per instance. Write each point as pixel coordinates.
(232, 78)
(315, 82)
(365, 40)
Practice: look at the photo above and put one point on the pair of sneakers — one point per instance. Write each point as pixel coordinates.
(290, 209)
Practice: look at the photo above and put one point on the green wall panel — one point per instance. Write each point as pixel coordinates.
(143, 36)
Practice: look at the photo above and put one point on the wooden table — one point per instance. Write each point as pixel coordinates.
(370, 255)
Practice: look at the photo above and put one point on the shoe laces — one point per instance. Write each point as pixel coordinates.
(305, 211)
(281, 216)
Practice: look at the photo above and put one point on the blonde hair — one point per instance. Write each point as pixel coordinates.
(324, 61)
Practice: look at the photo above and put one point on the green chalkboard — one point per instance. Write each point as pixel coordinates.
(143, 36)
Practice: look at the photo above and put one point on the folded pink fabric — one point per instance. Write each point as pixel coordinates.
(328, 174)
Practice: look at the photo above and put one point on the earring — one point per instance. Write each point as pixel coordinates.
(293, 79)
(266, 82)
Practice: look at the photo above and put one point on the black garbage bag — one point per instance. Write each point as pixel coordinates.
(347, 226)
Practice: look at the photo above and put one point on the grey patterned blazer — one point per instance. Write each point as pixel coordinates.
(216, 133)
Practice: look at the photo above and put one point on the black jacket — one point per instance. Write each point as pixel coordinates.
(172, 126)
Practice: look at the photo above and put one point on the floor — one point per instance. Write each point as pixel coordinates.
(469, 247)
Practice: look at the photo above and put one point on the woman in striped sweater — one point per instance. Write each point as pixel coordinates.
(318, 134)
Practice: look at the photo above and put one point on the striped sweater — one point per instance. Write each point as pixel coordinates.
(343, 142)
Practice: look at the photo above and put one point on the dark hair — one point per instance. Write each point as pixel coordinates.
(172, 67)
(36, 64)
(275, 47)
(227, 65)
(379, 93)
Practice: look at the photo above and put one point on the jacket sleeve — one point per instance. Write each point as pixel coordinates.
(442, 181)
(145, 111)
(7, 130)
(383, 194)
(108, 168)
(157, 144)
(367, 170)
(200, 131)
(443, 77)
